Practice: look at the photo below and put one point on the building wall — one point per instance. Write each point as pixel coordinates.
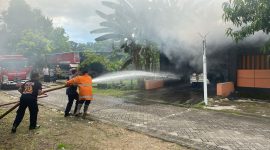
(253, 70)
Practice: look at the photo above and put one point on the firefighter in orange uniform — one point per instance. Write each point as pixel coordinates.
(84, 83)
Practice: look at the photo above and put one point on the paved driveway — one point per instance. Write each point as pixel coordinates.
(194, 128)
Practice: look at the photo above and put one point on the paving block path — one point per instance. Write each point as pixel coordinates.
(198, 129)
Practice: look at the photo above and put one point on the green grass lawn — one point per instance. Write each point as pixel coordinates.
(113, 92)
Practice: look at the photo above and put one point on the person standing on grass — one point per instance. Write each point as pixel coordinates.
(30, 91)
(72, 94)
(84, 83)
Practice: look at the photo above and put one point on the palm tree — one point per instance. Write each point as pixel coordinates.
(130, 25)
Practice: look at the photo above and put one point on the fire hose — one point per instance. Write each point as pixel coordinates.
(18, 102)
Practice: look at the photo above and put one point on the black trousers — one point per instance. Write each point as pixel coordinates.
(32, 105)
(71, 99)
(46, 78)
(58, 76)
(85, 102)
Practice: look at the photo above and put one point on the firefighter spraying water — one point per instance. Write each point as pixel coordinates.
(84, 83)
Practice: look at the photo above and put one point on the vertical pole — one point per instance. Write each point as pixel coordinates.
(204, 73)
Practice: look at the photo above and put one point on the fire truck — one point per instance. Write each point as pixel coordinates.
(14, 70)
(66, 61)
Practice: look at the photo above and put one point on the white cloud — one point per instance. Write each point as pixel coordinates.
(78, 17)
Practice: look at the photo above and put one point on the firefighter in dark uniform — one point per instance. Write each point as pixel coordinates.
(29, 90)
(72, 94)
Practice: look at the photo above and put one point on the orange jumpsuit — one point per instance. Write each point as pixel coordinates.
(84, 83)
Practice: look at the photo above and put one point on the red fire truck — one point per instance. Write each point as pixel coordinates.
(14, 70)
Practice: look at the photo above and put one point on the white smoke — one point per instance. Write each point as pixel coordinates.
(176, 26)
(190, 20)
(3, 5)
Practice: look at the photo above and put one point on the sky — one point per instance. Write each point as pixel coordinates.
(77, 17)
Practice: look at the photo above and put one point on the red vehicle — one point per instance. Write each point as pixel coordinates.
(14, 70)
(66, 61)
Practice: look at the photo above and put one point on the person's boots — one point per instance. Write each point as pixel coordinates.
(34, 127)
(78, 109)
(85, 110)
(75, 110)
(13, 130)
(76, 106)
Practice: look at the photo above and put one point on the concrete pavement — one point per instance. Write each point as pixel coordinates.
(198, 129)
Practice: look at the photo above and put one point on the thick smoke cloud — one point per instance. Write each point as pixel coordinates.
(3, 7)
(176, 26)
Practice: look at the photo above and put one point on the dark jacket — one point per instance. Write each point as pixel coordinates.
(72, 90)
(30, 89)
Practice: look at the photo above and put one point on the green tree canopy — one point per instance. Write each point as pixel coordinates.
(27, 31)
(35, 46)
(92, 58)
(20, 17)
(249, 16)
(59, 40)
(99, 46)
